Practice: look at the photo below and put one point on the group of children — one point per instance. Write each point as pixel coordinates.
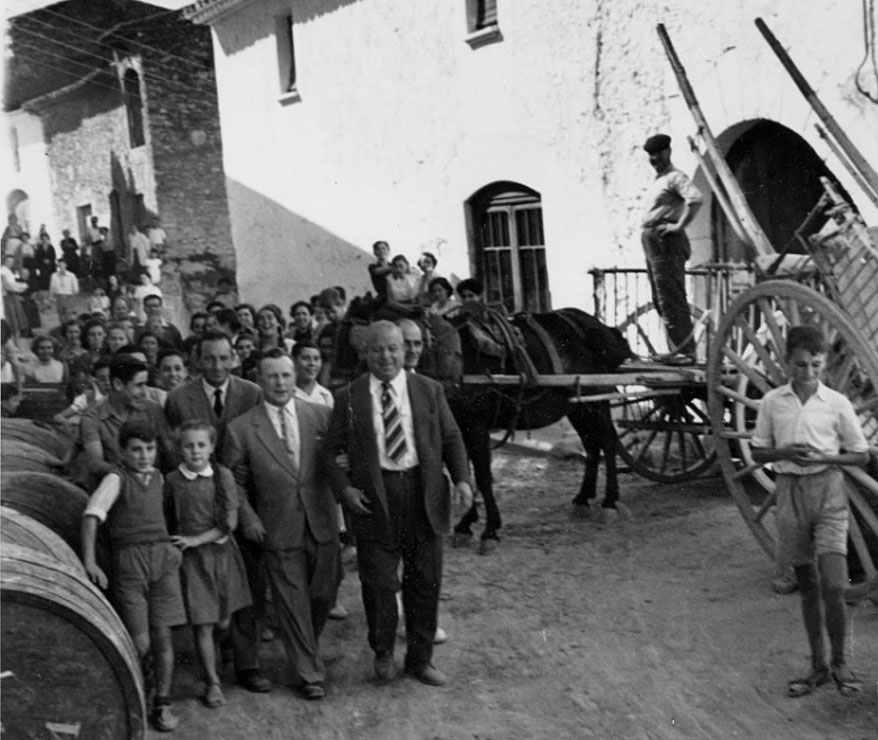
(173, 560)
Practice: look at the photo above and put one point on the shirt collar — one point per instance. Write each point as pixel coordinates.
(398, 383)
(820, 393)
(289, 406)
(209, 389)
(192, 475)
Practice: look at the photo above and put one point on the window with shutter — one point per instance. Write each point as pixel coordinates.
(483, 25)
(134, 108)
(286, 56)
(508, 246)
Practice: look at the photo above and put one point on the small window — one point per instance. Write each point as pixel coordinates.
(134, 108)
(16, 155)
(286, 56)
(482, 23)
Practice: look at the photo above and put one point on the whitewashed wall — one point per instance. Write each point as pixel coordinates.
(400, 121)
(34, 177)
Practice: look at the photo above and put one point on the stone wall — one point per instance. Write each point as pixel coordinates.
(177, 173)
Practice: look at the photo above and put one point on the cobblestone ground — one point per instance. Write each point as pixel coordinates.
(661, 625)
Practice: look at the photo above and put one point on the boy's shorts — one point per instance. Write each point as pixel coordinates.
(812, 516)
(146, 587)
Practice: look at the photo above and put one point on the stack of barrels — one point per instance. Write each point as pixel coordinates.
(69, 667)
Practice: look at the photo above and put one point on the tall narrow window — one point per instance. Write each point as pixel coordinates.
(509, 246)
(134, 108)
(483, 24)
(486, 14)
(286, 57)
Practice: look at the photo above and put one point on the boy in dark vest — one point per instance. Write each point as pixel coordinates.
(145, 584)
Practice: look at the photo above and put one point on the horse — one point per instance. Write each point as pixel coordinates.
(563, 342)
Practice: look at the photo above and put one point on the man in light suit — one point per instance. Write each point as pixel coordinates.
(219, 397)
(288, 508)
(397, 431)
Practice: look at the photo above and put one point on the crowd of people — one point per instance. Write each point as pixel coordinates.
(191, 461)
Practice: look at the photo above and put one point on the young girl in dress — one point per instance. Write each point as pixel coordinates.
(202, 506)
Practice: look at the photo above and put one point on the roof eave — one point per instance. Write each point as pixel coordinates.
(207, 12)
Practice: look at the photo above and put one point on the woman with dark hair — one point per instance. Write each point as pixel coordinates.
(72, 349)
(270, 323)
(443, 297)
(470, 291)
(302, 328)
(224, 320)
(95, 340)
(246, 316)
(152, 345)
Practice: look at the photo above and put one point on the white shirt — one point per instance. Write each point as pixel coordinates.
(107, 493)
(826, 421)
(400, 394)
(276, 413)
(210, 390)
(667, 196)
(66, 284)
(318, 395)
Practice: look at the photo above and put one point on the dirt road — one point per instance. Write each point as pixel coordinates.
(660, 626)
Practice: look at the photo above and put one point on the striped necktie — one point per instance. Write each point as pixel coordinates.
(287, 436)
(394, 439)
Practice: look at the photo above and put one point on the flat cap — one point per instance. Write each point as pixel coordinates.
(656, 143)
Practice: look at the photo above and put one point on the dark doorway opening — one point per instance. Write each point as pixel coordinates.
(779, 174)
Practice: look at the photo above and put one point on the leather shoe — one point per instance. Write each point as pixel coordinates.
(254, 681)
(312, 691)
(385, 668)
(427, 674)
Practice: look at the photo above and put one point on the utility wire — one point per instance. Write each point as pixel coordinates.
(166, 67)
(76, 76)
(111, 32)
(183, 86)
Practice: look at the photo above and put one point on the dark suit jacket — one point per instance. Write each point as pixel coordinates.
(190, 402)
(437, 440)
(284, 498)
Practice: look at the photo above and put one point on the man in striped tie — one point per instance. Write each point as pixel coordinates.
(397, 431)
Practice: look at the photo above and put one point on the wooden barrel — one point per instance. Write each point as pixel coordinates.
(39, 434)
(50, 500)
(42, 401)
(16, 455)
(19, 529)
(70, 667)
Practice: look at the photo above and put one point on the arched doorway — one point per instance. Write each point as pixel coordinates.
(508, 247)
(18, 204)
(779, 174)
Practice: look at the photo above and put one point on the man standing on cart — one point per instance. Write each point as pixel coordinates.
(673, 203)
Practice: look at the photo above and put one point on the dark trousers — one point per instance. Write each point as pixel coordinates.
(666, 256)
(477, 440)
(381, 544)
(304, 582)
(247, 623)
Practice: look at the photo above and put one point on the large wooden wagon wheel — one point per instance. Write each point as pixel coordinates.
(663, 433)
(645, 333)
(746, 360)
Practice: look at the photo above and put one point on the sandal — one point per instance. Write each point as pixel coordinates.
(213, 697)
(846, 681)
(803, 686)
